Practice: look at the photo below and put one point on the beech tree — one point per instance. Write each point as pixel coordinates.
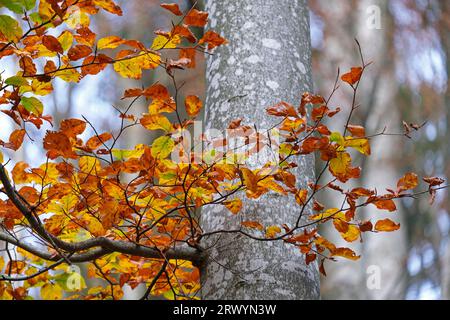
(267, 60)
(231, 215)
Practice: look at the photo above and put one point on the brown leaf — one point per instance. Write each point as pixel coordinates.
(78, 52)
(52, 44)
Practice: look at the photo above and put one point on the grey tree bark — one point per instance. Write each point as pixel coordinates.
(267, 60)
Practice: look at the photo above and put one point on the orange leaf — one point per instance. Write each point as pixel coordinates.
(109, 6)
(96, 141)
(407, 182)
(345, 253)
(72, 127)
(252, 225)
(58, 144)
(15, 140)
(193, 105)
(234, 205)
(212, 39)
(196, 18)
(282, 109)
(185, 32)
(384, 204)
(172, 7)
(356, 131)
(250, 179)
(78, 52)
(386, 225)
(353, 76)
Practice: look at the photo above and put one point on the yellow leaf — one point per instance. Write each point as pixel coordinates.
(2, 263)
(162, 147)
(110, 42)
(41, 88)
(300, 197)
(132, 67)
(66, 40)
(68, 74)
(123, 155)
(326, 214)
(234, 205)
(89, 165)
(360, 144)
(156, 122)
(162, 42)
(272, 231)
(51, 292)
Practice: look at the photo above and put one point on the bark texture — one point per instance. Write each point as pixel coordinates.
(268, 59)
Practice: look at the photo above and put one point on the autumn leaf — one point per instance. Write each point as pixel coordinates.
(193, 105)
(72, 127)
(52, 44)
(51, 291)
(433, 181)
(10, 28)
(356, 131)
(58, 144)
(345, 253)
(15, 140)
(407, 182)
(196, 18)
(109, 6)
(383, 204)
(32, 105)
(234, 205)
(162, 147)
(78, 52)
(156, 122)
(341, 168)
(212, 39)
(172, 7)
(250, 179)
(353, 76)
(282, 109)
(272, 231)
(130, 66)
(300, 196)
(162, 42)
(97, 141)
(110, 42)
(386, 225)
(252, 225)
(360, 144)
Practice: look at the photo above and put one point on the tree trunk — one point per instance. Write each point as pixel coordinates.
(267, 60)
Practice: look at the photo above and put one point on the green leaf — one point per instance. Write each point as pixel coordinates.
(16, 81)
(32, 105)
(18, 6)
(10, 28)
(162, 147)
